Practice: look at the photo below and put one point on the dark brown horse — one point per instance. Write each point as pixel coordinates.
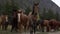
(0, 21)
(53, 24)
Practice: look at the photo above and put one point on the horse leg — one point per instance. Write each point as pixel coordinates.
(20, 27)
(42, 27)
(47, 28)
(34, 29)
(25, 27)
(6, 25)
(31, 30)
(39, 27)
(12, 28)
(3, 27)
(57, 27)
(16, 28)
(0, 26)
(52, 27)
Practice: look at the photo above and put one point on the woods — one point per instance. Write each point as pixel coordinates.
(7, 9)
(50, 14)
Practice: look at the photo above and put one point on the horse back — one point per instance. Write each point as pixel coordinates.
(46, 22)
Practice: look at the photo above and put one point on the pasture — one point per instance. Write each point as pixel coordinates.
(27, 32)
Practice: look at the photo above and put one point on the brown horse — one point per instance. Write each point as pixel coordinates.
(24, 20)
(53, 24)
(34, 18)
(3, 21)
(58, 25)
(43, 24)
(0, 21)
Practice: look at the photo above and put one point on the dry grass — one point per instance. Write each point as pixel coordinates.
(9, 28)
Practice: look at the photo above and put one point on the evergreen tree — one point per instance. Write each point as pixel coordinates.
(50, 14)
(27, 10)
(44, 12)
(9, 7)
(57, 16)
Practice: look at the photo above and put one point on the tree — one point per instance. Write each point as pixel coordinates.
(9, 7)
(27, 10)
(50, 14)
(57, 16)
(0, 8)
(44, 12)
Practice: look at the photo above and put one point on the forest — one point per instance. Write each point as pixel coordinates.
(8, 9)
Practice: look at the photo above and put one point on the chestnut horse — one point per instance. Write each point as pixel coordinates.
(58, 23)
(3, 22)
(53, 24)
(24, 21)
(50, 24)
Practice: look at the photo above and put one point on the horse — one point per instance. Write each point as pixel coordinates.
(0, 21)
(24, 21)
(53, 23)
(50, 24)
(4, 22)
(33, 19)
(43, 23)
(14, 21)
(58, 23)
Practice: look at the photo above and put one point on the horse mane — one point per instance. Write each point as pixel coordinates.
(33, 10)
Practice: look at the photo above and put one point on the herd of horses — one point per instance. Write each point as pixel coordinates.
(29, 22)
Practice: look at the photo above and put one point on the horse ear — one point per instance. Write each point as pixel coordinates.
(36, 4)
(14, 9)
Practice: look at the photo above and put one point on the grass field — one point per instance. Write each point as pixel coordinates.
(9, 28)
(8, 32)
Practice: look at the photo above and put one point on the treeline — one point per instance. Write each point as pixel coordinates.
(8, 9)
(50, 14)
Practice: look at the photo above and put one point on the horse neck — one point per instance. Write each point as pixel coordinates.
(35, 9)
(0, 19)
(30, 14)
(3, 18)
(14, 15)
